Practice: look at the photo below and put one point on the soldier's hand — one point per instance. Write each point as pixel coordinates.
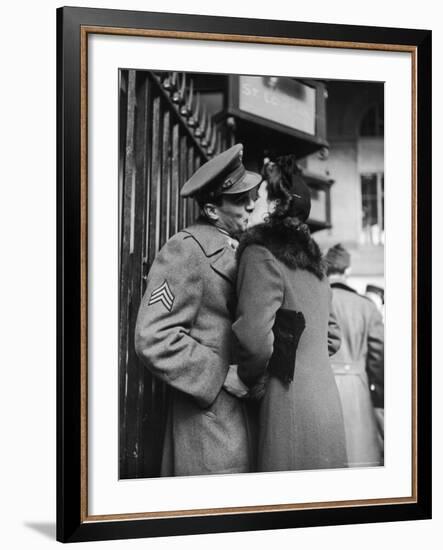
(234, 385)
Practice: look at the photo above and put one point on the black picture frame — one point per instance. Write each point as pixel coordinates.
(72, 520)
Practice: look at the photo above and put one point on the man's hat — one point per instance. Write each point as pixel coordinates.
(225, 172)
(376, 290)
(337, 258)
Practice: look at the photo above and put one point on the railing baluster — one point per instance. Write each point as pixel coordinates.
(165, 210)
(155, 199)
(175, 184)
(183, 178)
(191, 202)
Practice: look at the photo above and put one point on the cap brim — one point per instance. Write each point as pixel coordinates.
(248, 182)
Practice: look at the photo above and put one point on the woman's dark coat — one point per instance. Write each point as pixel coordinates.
(300, 423)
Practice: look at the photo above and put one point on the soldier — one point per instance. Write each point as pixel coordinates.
(359, 364)
(183, 332)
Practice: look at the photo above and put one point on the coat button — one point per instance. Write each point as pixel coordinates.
(347, 367)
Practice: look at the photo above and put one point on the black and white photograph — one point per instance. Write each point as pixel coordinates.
(235, 276)
(251, 273)
(218, 322)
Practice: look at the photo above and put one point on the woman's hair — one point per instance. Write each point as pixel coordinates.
(277, 188)
(281, 176)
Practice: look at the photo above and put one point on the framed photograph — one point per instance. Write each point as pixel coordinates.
(234, 274)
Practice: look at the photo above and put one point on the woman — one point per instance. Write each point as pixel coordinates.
(281, 326)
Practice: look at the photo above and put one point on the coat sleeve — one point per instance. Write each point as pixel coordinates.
(375, 358)
(334, 330)
(260, 293)
(162, 334)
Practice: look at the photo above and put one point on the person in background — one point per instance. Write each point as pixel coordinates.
(281, 327)
(377, 295)
(359, 363)
(184, 326)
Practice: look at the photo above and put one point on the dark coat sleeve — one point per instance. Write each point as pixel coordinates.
(375, 358)
(260, 291)
(162, 337)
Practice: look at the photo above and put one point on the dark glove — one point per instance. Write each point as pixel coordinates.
(258, 390)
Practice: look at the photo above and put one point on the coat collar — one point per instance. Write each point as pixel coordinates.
(342, 286)
(209, 238)
(225, 264)
(290, 242)
(215, 245)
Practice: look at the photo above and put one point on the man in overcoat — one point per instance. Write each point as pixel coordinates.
(359, 364)
(183, 331)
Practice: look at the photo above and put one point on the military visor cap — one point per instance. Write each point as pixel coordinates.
(224, 173)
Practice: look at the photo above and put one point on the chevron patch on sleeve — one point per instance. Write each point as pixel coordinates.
(164, 295)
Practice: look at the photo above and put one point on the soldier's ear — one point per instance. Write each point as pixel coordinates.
(211, 211)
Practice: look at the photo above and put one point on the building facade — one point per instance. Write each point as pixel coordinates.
(355, 161)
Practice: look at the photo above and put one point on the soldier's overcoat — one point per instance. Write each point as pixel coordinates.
(184, 336)
(300, 423)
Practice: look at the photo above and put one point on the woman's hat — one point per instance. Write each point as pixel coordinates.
(291, 180)
(300, 205)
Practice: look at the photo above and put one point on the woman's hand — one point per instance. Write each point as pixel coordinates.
(258, 390)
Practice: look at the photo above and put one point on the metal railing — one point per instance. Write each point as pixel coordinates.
(165, 135)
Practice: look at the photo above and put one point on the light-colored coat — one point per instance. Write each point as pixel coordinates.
(189, 348)
(300, 423)
(359, 373)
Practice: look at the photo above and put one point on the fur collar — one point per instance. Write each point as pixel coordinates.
(289, 243)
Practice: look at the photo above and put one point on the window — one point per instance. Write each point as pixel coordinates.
(372, 197)
(372, 123)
